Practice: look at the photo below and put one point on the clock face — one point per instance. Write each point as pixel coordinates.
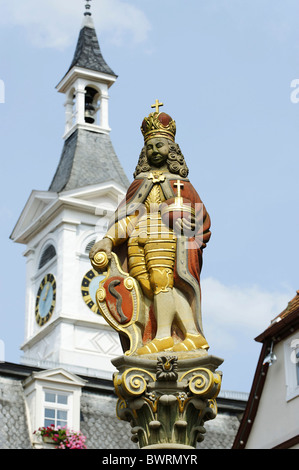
(89, 286)
(45, 299)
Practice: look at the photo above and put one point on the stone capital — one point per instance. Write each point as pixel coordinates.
(167, 399)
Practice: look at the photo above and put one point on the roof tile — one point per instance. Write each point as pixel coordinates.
(88, 53)
(87, 158)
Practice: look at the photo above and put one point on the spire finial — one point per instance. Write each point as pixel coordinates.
(87, 8)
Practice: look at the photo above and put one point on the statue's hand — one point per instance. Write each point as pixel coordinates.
(185, 226)
(103, 245)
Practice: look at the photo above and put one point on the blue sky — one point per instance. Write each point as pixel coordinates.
(223, 70)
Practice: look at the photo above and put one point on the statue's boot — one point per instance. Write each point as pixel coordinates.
(191, 342)
(156, 345)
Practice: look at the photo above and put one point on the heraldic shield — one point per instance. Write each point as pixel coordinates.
(120, 300)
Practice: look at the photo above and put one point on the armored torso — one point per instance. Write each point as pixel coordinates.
(152, 247)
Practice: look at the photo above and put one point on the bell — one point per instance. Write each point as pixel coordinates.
(89, 108)
(89, 114)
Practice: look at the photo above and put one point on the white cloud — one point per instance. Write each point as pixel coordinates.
(121, 18)
(53, 23)
(234, 312)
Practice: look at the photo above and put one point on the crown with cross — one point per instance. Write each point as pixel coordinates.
(158, 125)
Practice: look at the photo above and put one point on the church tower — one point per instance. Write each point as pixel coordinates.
(63, 327)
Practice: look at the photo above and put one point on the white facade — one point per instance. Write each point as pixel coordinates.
(277, 419)
(62, 327)
(74, 337)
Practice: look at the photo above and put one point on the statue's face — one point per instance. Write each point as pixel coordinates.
(157, 150)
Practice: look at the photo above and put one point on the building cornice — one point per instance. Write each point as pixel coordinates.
(80, 72)
(282, 327)
(27, 226)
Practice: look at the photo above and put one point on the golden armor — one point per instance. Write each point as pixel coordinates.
(152, 248)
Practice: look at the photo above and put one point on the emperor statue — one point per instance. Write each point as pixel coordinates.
(158, 233)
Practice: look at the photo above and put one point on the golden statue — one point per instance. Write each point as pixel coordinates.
(154, 248)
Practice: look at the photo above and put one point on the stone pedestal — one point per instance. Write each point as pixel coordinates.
(167, 397)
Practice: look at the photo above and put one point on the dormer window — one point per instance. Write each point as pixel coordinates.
(53, 397)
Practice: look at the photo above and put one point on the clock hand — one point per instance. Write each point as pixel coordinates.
(46, 294)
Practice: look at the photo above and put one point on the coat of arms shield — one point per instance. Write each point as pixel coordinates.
(120, 301)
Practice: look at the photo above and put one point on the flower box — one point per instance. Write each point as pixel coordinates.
(61, 438)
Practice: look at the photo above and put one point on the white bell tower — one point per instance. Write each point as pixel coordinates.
(63, 327)
(86, 84)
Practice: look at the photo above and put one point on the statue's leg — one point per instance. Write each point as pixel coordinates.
(193, 338)
(165, 310)
(184, 313)
(159, 255)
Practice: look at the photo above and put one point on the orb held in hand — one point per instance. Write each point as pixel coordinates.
(176, 209)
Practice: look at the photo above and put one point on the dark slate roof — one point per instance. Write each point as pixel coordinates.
(14, 431)
(98, 414)
(87, 158)
(88, 53)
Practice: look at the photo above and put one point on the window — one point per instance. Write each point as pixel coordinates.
(47, 254)
(291, 348)
(297, 364)
(56, 408)
(89, 246)
(53, 397)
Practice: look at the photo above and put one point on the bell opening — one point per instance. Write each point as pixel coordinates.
(91, 105)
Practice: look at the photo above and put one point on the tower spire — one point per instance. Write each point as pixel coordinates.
(87, 147)
(87, 8)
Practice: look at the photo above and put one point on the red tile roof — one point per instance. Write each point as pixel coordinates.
(291, 307)
(288, 317)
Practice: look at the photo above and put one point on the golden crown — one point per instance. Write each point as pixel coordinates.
(158, 125)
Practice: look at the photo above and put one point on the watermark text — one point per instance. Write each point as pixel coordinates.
(2, 91)
(295, 93)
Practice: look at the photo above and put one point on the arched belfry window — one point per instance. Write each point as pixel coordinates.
(89, 246)
(48, 254)
(92, 105)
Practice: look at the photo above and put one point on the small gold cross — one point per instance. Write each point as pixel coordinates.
(157, 105)
(179, 185)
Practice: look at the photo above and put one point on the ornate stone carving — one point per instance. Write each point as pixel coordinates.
(166, 404)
